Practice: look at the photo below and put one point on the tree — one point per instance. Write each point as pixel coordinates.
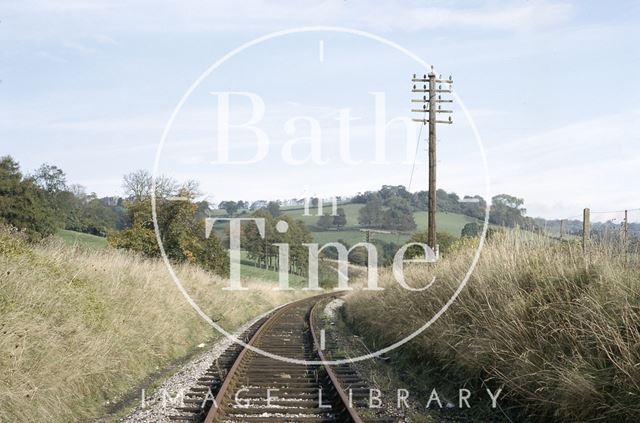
(23, 204)
(340, 219)
(204, 209)
(258, 247)
(371, 214)
(50, 178)
(78, 191)
(471, 230)
(181, 228)
(361, 198)
(96, 218)
(297, 235)
(399, 216)
(419, 200)
(53, 183)
(257, 205)
(138, 185)
(273, 208)
(325, 221)
(474, 209)
(507, 210)
(391, 192)
(446, 202)
(265, 254)
(509, 201)
(231, 207)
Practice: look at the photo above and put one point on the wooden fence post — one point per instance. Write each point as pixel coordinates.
(586, 229)
(626, 228)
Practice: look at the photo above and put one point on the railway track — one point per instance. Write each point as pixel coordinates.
(249, 387)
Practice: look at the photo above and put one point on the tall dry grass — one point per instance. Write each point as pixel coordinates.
(79, 327)
(560, 332)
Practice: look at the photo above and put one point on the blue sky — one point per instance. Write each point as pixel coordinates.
(552, 87)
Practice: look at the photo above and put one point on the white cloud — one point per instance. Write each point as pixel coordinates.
(584, 164)
(498, 17)
(88, 17)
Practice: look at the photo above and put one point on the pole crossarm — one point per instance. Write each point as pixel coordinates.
(415, 90)
(426, 110)
(426, 79)
(426, 100)
(426, 121)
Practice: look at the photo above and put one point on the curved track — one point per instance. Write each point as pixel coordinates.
(277, 391)
(249, 387)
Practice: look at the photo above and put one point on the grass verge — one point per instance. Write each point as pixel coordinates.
(559, 332)
(81, 326)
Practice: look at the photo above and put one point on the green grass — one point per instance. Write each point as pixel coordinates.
(451, 223)
(249, 271)
(353, 236)
(351, 210)
(78, 238)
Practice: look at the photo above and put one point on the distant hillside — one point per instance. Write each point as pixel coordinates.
(451, 223)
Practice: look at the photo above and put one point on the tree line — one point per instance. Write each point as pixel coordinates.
(392, 207)
(262, 249)
(446, 202)
(43, 202)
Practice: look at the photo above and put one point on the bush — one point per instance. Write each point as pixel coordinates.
(444, 240)
(182, 231)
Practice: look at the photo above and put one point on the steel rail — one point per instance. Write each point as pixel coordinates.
(334, 379)
(228, 380)
(216, 409)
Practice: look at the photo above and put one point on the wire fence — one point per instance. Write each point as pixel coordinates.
(614, 230)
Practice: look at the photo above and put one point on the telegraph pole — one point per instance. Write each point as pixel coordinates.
(431, 107)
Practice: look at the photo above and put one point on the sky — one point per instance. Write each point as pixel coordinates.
(551, 87)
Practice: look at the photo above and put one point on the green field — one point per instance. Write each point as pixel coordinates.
(447, 222)
(351, 234)
(248, 270)
(77, 238)
(351, 210)
(451, 223)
